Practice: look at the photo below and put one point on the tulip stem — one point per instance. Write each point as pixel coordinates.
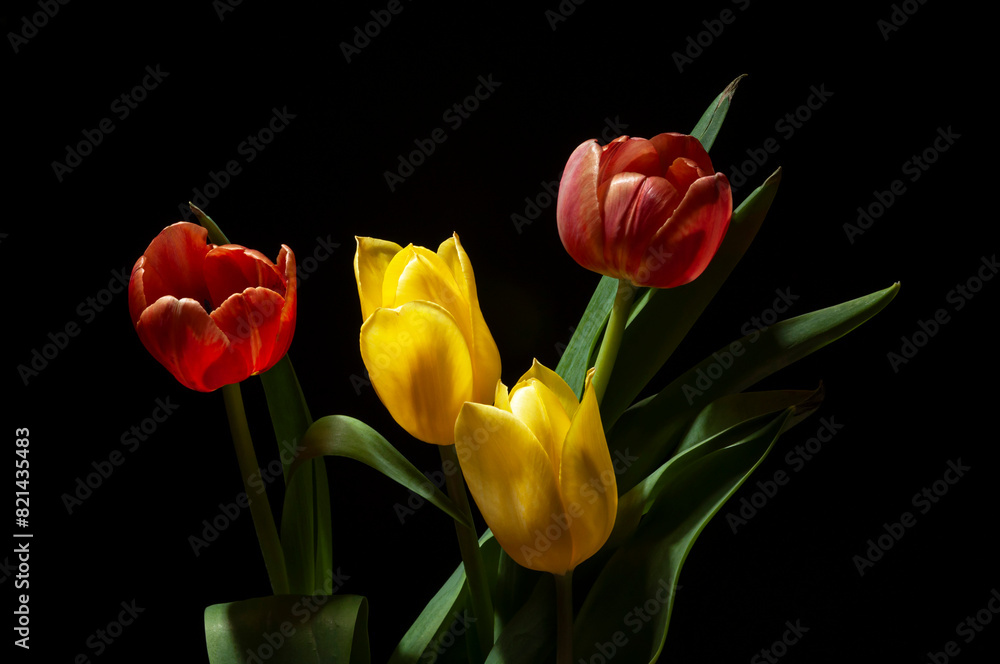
(260, 509)
(613, 337)
(472, 557)
(564, 617)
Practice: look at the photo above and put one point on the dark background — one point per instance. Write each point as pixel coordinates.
(321, 180)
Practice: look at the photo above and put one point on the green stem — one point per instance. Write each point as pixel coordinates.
(564, 617)
(472, 557)
(260, 510)
(613, 337)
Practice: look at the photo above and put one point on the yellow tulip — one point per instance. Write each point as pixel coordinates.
(538, 466)
(424, 340)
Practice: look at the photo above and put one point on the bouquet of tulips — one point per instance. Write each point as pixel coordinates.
(589, 495)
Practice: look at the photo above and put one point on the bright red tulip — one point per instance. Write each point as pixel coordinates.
(212, 314)
(653, 211)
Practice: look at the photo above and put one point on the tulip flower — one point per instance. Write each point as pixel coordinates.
(538, 467)
(652, 212)
(213, 315)
(424, 340)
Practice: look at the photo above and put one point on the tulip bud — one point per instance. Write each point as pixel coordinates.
(424, 341)
(212, 315)
(653, 212)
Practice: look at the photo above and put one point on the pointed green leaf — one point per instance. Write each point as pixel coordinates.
(292, 629)
(442, 612)
(342, 436)
(575, 360)
(662, 319)
(646, 568)
(710, 123)
(652, 428)
(726, 419)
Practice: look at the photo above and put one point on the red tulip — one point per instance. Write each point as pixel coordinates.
(653, 211)
(212, 315)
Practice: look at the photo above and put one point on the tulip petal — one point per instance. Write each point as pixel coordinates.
(289, 312)
(578, 209)
(485, 354)
(370, 262)
(555, 382)
(631, 155)
(539, 409)
(252, 322)
(587, 481)
(231, 269)
(512, 482)
(673, 146)
(183, 338)
(420, 367)
(684, 246)
(634, 208)
(171, 265)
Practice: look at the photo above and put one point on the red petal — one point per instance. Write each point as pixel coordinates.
(682, 249)
(578, 213)
(172, 266)
(635, 155)
(673, 146)
(231, 269)
(252, 322)
(286, 265)
(182, 337)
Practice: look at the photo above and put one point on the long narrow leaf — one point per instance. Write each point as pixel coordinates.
(342, 436)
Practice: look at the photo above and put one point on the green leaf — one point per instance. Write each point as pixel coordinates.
(299, 629)
(442, 611)
(727, 418)
(662, 319)
(306, 526)
(651, 429)
(710, 123)
(575, 360)
(343, 436)
(529, 637)
(646, 568)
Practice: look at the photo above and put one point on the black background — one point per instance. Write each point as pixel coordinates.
(322, 177)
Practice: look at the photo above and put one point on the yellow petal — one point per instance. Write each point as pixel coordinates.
(539, 409)
(420, 367)
(553, 381)
(486, 356)
(509, 475)
(370, 262)
(418, 274)
(501, 398)
(587, 482)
